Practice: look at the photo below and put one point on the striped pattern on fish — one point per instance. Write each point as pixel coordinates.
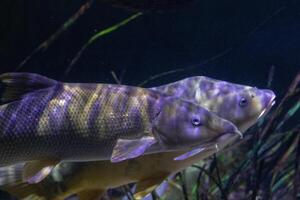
(83, 122)
(66, 114)
(82, 178)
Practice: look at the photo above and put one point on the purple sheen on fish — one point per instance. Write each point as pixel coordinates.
(199, 90)
(137, 147)
(242, 105)
(84, 122)
(190, 153)
(40, 175)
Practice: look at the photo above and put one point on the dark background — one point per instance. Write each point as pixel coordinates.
(256, 34)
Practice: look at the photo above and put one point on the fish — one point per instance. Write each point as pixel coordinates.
(240, 104)
(44, 122)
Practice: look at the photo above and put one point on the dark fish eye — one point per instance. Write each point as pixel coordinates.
(243, 102)
(196, 122)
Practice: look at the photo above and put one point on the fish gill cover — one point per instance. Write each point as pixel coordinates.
(255, 43)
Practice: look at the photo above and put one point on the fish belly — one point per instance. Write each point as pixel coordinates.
(61, 147)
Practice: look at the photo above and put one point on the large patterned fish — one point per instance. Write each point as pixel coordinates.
(48, 121)
(240, 104)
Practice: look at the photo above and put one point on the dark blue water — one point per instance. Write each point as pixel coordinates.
(256, 35)
(233, 40)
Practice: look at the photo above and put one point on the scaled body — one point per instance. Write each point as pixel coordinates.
(74, 121)
(91, 179)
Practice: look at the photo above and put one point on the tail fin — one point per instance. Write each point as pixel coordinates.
(11, 175)
(11, 182)
(55, 186)
(25, 191)
(52, 187)
(15, 85)
(42, 190)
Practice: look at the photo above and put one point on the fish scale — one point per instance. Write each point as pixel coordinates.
(45, 122)
(149, 170)
(70, 133)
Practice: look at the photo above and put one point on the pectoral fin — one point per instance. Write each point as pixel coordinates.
(146, 186)
(127, 149)
(190, 153)
(36, 171)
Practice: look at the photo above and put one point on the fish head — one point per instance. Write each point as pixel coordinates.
(242, 105)
(245, 106)
(251, 105)
(184, 124)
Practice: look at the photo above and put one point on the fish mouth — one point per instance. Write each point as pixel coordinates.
(232, 130)
(218, 143)
(225, 139)
(227, 134)
(269, 106)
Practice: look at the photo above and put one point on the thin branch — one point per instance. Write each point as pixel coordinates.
(292, 88)
(218, 174)
(128, 192)
(267, 128)
(183, 186)
(99, 35)
(156, 76)
(219, 55)
(223, 192)
(266, 20)
(198, 183)
(289, 113)
(257, 178)
(154, 195)
(117, 80)
(271, 76)
(43, 46)
(297, 170)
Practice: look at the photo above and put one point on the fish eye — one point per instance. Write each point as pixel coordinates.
(243, 102)
(196, 122)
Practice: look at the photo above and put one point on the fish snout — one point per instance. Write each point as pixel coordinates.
(226, 127)
(230, 128)
(268, 98)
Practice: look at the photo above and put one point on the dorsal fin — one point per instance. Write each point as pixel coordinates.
(14, 85)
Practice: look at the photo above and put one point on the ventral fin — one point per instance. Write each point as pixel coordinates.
(126, 149)
(146, 186)
(142, 194)
(91, 194)
(13, 86)
(190, 153)
(36, 171)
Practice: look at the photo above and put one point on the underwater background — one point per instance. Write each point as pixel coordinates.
(253, 43)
